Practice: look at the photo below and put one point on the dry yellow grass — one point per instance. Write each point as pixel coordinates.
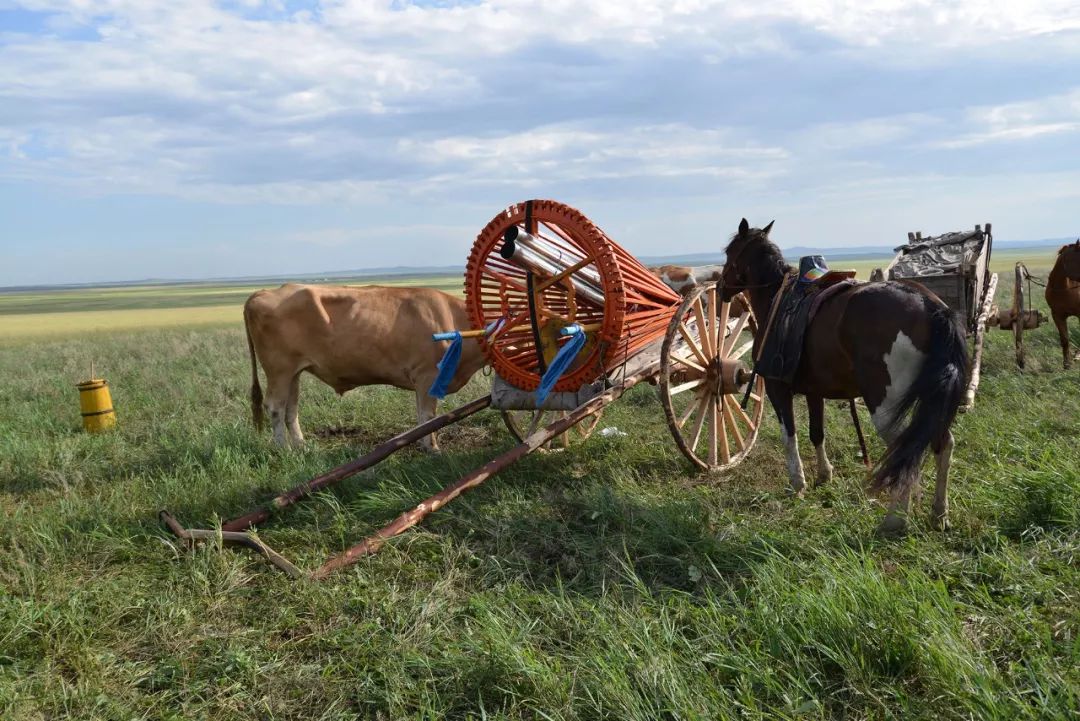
(75, 323)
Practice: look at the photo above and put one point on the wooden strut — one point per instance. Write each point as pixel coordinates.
(980, 333)
(859, 433)
(470, 481)
(587, 327)
(242, 538)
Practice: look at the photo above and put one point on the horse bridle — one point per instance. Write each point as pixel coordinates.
(735, 259)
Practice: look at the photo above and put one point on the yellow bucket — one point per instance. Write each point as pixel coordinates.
(96, 404)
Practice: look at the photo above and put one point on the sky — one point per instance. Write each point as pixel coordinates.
(147, 139)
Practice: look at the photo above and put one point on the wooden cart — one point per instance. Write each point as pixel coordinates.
(569, 321)
(955, 267)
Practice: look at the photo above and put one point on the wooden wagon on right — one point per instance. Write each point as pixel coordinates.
(956, 267)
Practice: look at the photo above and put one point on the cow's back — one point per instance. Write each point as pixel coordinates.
(354, 336)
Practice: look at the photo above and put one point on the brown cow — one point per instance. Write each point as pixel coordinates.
(1063, 293)
(349, 337)
(683, 279)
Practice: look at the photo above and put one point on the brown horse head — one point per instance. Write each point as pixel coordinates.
(1069, 260)
(752, 260)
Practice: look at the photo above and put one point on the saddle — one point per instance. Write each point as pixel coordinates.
(795, 306)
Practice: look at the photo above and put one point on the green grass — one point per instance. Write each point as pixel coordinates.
(605, 582)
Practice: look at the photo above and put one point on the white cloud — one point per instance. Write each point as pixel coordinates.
(867, 133)
(364, 98)
(573, 153)
(1052, 115)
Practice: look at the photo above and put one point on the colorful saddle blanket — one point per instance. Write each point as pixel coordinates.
(800, 300)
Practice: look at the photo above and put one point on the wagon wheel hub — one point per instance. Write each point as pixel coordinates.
(731, 375)
(705, 362)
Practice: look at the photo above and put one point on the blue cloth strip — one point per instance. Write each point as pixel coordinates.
(448, 365)
(560, 362)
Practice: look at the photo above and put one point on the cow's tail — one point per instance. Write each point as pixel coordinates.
(256, 389)
(934, 399)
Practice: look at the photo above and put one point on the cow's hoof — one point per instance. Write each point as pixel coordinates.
(941, 523)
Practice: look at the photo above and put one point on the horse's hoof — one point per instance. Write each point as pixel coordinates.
(892, 527)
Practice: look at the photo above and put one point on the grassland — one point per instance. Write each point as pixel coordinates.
(81, 311)
(71, 312)
(604, 582)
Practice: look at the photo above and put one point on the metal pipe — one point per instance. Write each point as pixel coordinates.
(517, 249)
(555, 254)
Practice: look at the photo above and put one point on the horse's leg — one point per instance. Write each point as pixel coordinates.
(782, 401)
(1062, 323)
(895, 521)
(943, 456)
(292, 418)
(816, 406)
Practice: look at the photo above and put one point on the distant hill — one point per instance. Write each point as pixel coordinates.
(388, 273)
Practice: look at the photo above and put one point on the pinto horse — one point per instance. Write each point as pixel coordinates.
(892, 343)
(1063, 293)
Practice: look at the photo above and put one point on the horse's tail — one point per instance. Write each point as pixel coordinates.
(256, 389)
(934, 399)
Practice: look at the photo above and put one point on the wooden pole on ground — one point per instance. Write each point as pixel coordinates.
(368, 460)
(244, 539)
(470, 481)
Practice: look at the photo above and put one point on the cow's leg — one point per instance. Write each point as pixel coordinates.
(1062, 323)
(781, 398)
(425, 411)
(292, 419)
(943, 456)
(277, 402)
(816, 406)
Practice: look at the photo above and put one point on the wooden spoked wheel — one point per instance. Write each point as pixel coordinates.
(704, 370)
(522, 424)
(1019, 315)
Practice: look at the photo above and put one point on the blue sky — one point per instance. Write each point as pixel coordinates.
(195, 139)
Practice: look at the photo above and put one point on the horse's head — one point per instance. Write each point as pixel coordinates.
(1069, 261)
(743, 256)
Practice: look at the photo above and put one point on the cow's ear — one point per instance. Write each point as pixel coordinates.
(768, 227)
(744, 227)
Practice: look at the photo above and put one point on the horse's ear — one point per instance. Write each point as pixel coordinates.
(768, 227)
(744, 227)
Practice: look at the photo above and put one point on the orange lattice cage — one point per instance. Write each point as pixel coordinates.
(541, 265)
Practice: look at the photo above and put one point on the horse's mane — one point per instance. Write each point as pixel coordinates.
(1069, 246)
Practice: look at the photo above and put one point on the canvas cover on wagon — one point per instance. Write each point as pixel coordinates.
(953, 266)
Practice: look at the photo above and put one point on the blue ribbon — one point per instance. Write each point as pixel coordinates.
(561, 361)
(448, 365)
